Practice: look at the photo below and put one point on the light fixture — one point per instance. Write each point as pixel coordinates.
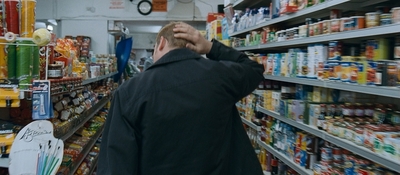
(145, 7)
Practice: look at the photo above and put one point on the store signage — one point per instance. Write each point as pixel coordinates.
(160, 5)
(117, 4)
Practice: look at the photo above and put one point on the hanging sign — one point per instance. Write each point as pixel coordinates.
(160, 5)
(117, 4)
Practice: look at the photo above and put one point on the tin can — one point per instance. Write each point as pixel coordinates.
(358, 22)
(372, 19)
(395, 15)
(12, 15)
(335, 25)
(28, 17)
(386, 19)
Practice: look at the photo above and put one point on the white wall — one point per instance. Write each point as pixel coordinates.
(96, 29)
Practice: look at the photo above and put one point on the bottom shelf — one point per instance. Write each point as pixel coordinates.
(284, 159)
(86, 151)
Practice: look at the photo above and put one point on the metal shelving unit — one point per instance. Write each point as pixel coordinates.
(361, 33)
(86, 151)
(393, 92)
(88, 115)
(91, 80)
(251, 124)
(94, 165)
(361, 151)
(285, 159)
(293, 16)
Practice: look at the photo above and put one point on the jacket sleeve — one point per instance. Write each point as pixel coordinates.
(241, 74)
(119, 146)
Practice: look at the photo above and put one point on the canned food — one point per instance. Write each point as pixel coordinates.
(335, 50)
(346, 24)
(358, 22)
(386, 18)
(396, 15)
(335, 25)
(372, 19)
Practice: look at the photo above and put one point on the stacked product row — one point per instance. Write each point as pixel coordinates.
(74, 146)
(89, 164)
(251, 17)
(315, 27)
(355, 117)
(369, 63)
(269, 162)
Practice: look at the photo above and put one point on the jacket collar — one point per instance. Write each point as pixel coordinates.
(174, 56)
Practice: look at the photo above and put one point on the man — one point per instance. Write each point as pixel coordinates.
(179, 116)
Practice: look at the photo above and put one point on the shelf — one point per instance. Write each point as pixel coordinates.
(86, 151)
(285, 159)
(88, 115)
(4, 162)
(251, 124)
(393, 92)
(361, 151)
(243, 4)
(361, 33)
(94, 165)
(294, 16)
(91, 80)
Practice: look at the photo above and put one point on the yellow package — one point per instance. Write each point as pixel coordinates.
(6, 140)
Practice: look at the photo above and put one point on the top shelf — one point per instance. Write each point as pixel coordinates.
(91, 80)
(307, 12)
(243, 4)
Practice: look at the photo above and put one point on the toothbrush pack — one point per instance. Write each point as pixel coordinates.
(41, 105)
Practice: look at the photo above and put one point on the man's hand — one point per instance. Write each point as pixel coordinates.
(197, 42)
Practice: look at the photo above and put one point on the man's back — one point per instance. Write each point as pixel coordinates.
(179, 117)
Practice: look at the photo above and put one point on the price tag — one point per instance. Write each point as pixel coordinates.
(160, 5)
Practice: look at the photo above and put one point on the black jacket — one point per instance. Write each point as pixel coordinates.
(179, 117)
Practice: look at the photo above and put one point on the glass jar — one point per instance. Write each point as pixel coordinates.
(54, 71)
(348, 110)
(339, 111)
(379, 115)
(359, 110)
(369, 110)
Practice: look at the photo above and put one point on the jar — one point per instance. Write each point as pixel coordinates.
(372, 19)
(359, 136)
(385, 19)
(359, 110)
(309, 22)
(54, 71)
(346, 24)
(348, 110)
(358, 22)
(326, 26)
(379, 115)
(335, 25)
(395, 118)
(303, 31)
(338, 112)
(395, 15)
(312, 29)
(369, 110)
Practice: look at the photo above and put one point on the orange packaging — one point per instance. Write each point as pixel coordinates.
(28, 17)
(358, 22)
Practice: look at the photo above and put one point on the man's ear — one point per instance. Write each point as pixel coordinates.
(162, 44)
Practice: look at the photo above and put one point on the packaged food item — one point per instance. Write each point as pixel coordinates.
(320, 57)
(377, 49)
(371, 73)
(335, 50)
(391, 148)
(354, 72)
(320, 94)
(309, 27)
(297, 109)
(334, 70)
(270, 64)
(395, 15)
(346, 71)
(302, 64)
(292, 62)
(335, 14)
(346, 24)
(358, 22)
(326, 27)
(288, 6)
(277, 64)
(385, 19)
(302, 31)
(372, 19)
(369, 135)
